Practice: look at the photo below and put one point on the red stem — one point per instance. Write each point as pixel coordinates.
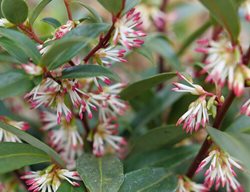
(29, 31)
(207, 143)
(103, 42)
(66, 2)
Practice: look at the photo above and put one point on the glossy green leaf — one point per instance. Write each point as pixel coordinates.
(100, 174)
(38, 9)
(196, 34)
(86, 71)
(149, 180)
(113, 6)
(166, 135)
(226, 14)
(236, 144)
(139, 87)
(241, 124)
(52, 21)
(16, 11)
(130, 4)
(65, 49)
(23, 43)
(13, 49)
(13, 83)
(158, 43)
(169, 158)
(96, 16)
(17, 155)
(67, 187)
(33, 141)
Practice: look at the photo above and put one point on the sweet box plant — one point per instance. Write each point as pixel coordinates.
(124, 95)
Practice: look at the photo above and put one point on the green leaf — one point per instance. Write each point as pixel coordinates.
(241, 124)
(17, 155)
(62, 51)
(65, 49)
(15, 11)
(149, 180)
(139, 87)
(13, 49)
(38, 9)
(67, 187)
(130, 4)
(236, 144)
(100, 174)
(159, 44)
(194, 37)
(86, 71)
(33, 141)
(23, 42)
(169, 158)
(52, 21)
(96, 16)
(225, 12)
(4, 57)
(144, 51)
(13, 83)
(113, 6)
(167, 135)
(165, 99)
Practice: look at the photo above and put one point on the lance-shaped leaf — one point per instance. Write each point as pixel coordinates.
(13, 83)
(236, 144)
(149, 180)
(52, 21)
(65, 49)
(23, 43)
(113, 6)
(225, 12)
(95, 15)
(86, 71)
(33, 141)
(100, 174)
(167, 135)
(16, 11)
(17, 155)
(139, 87)
(38, 9)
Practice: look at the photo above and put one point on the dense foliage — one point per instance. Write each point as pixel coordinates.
(124, 95)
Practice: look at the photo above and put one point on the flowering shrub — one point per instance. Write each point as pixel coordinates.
(124, 95)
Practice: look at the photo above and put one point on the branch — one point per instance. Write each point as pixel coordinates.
(66, 2)
(103, 41)
(29, 31)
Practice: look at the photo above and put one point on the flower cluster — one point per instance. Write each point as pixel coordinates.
(221, 170)
(50, 179)
(197, 114)
(223, 63)
(186, 185)
(6, 136)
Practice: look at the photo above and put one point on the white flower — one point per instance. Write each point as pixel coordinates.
(66, 139)
(190, 88)
(246, 8)
(245, 109)
(64, 29)
(32, 69)
(109, 54)
(105, 137)
(186, 185)
(196, 116)
(6, 136)
(5, 23)
(221, 62)
(221, 170)
(126, 32)
(49, 180)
